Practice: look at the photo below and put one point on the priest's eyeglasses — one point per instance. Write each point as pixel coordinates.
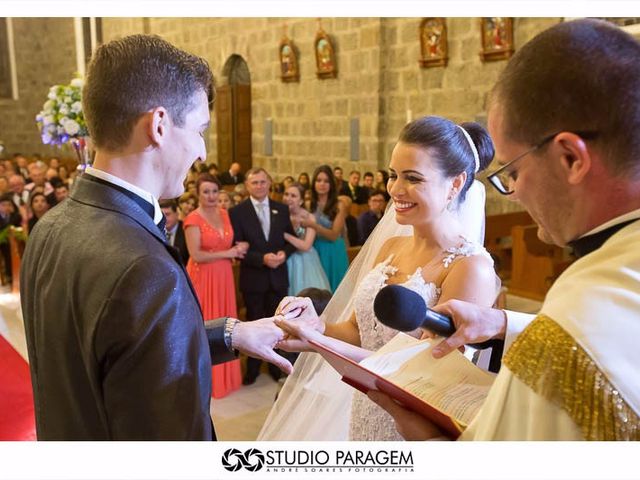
(503, 176)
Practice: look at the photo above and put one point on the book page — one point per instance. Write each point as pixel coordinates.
(451, 384)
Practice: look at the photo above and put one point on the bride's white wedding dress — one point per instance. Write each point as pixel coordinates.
(368, 420)
(314, 403)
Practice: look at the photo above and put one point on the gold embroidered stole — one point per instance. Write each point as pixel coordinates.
(549, 361)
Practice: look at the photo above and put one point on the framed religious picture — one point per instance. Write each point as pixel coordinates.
(325, 56)
(433, 42)
(289, 71)
(497, 38)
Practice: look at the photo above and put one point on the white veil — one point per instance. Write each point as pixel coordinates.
(314, 403)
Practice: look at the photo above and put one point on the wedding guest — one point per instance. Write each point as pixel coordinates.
(209, 238)
(368, 220)
(233, 176)
(303, 266)
(175, 228)
(9, 215)
(38, 206)
(381, 181)
(262, 222)
(287, 182)
(224, 200)
(63, 173)
(353, 190)
(338, 176)
(187, 203)
(328, 221)
(38, 179)
(368, 183)
(303, 179)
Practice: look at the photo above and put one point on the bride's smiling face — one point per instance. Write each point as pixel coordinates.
(420, 192)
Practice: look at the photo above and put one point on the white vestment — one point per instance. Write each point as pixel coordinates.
(574, 371)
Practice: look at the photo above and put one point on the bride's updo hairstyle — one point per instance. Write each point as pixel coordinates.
(451, 148)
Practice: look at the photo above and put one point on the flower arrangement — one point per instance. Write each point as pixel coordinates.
(61, 118)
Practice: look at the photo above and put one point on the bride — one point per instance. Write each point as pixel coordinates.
(420, 244)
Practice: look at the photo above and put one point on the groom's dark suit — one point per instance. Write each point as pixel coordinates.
(262, 287)
(117, 346)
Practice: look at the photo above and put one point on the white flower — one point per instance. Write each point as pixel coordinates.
(71, 127)
(67, 100)
(49, 104)
(64, 109)
(52, 95)
(68, 92)
(48, 119)
(77, 82)
(76, 107)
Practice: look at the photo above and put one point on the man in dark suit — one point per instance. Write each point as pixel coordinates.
(233, 176)
(263, 272)
(368, 220)
(175, 230)
(353, 189)
(118, 348)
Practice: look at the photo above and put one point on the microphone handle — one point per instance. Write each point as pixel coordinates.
(443, 325)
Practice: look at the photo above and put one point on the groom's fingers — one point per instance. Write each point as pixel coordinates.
(278, 360)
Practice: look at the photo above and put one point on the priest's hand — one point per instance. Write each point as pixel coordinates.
(410, 425)
(474, 324)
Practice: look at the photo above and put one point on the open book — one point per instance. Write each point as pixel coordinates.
(448, 391)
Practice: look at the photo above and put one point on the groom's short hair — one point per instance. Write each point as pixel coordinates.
(133, 75)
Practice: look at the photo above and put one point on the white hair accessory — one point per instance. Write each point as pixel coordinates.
(476, 157)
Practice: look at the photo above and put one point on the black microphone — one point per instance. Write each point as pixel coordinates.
(402, 309)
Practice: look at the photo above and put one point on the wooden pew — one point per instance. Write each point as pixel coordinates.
(498, 241)
(536, 265)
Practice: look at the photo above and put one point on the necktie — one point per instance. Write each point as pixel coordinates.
(264, 221)
(162, 226)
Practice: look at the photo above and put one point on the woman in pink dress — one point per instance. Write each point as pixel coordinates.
(209, 237)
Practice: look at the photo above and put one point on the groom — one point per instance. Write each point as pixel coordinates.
(117, 345)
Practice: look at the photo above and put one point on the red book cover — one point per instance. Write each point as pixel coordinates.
(364, 380)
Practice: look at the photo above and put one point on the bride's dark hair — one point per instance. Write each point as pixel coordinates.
(449, 146)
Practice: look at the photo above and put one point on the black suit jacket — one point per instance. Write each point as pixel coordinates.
(360, 195)
(180, 243)
(255, 277)
(117, 346)
(226, 178)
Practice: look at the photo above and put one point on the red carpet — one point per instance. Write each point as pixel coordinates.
(17, 421)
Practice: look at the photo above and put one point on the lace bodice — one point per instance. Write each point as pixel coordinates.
(368, 421)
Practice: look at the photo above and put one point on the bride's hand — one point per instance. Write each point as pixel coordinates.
(300, 310)
(298, 336)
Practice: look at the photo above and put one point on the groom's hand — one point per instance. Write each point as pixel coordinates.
(258, 339)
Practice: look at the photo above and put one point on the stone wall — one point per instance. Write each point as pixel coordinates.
(379, 81)
(45, 56)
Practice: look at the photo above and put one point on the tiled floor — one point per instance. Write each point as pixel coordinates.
(238, 416)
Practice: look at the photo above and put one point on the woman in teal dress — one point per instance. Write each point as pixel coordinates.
(304, 266)
(330, 213)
